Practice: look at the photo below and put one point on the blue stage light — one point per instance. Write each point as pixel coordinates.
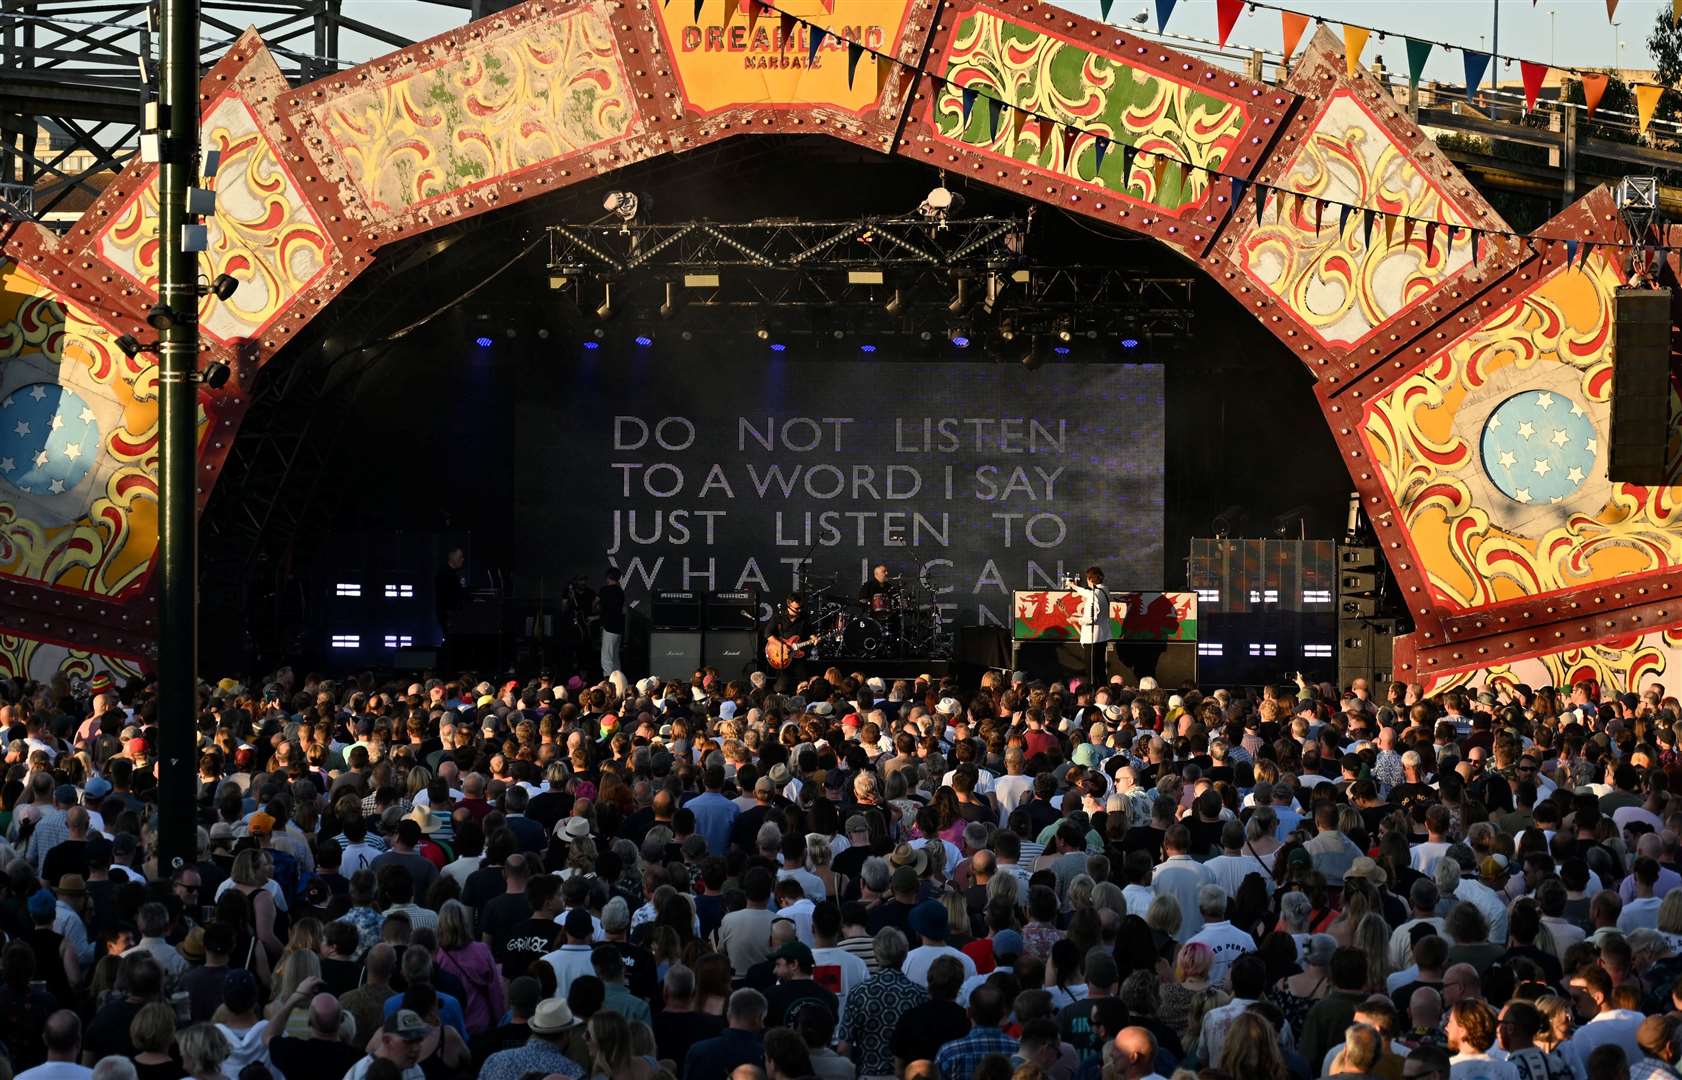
(867, 348)
(1129, 343)
(777, 346)
(482, 342)
(592, 345)
(644, 341)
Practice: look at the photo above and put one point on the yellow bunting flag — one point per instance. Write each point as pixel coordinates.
(1354, 40)
(1646, 100)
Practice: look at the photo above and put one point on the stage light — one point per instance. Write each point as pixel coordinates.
(604, 310)
(644, 341)
(894, 305)
(867, 348)
(1032, 358)
(1129, 343)
(482, 341)
(592, 345)
(224, 286)
(598, 333)
(1065, 332)
(777, 347)
(215, 375)
(1007, 330)
(762, 332)
(129, 344)
(667, 308)
(160, 317)
(543, 333)
(1060, 350)
(838, 334)
(959, 337)
(960, 301)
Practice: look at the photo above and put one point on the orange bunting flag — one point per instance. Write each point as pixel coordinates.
(1159, 170)
(884, 68)
(1675, 12)
(1389, 229)
(1017, 118)
(1594, 88)
(1226, 14)
(1611, 9)
(1407, 232)
(729, 12)
(1045, 133)
(1534, 74)
(1646, 101)
(1293, 25)
(1354, 40)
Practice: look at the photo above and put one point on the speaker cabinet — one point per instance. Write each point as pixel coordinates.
(731, 652)
(1640, 434)
(674, 654)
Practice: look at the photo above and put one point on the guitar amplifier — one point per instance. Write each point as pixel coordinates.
(674, 654)
(731, 652)
(676, 611)
(733, 610)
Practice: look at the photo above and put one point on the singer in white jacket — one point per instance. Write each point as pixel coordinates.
(1094, 623)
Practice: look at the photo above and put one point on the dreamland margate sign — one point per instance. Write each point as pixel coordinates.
(723, 63)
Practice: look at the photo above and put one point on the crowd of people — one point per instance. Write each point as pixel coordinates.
(837, 877)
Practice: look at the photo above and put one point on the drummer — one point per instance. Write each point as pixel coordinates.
(878, 593)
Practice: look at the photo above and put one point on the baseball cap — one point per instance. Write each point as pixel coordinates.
(98, 787)
(407, 1025)
(136, 746)
(260, 823)
(928, 919)
(1007, 944)
(796, 951)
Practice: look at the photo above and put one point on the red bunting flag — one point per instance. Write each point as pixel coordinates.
(1045, 133)
(785, 31)
(1430, 237)
(1226, 14)
(1534, 74)
(1319, 214)
(1611, 10)
(1407, 232)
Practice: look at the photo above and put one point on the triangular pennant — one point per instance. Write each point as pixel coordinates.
(1128, 153)
(1044, 123)
(1017, 117)
(1477, 246)
(1588, 246)
(1430, 236)
(1407, 232)
(1101, 143)
(1261, 203)
(1418, 53)
(1570, 253)
(1164, 9)
(1389, 230)
(1159, 170)
(1611, 10)
(1104, 7)
(994, 108)
(1343, 220)
(1226, 15)
(785, 31)
(855, 52)
(1675, 12)
(1534, 74)
(1354, 40)
(1366, 228)
(1319, 214)
(1291, 26)
(884, 68)
(1236, 186)
(1594, 88)
(966, 99)
(1646, 100)
(1067, 135)
(828, 6)
(813, 42)
(1476, 64)
(752, 9)
(699, 4)
(730, 7)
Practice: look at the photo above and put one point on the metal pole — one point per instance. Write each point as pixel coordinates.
(178, 350)
(1495, 42)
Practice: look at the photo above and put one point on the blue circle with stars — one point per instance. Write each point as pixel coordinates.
(49, 439)
(1539, 447)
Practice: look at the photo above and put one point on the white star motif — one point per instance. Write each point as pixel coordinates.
(38, 392)
(58, 421)
(1591, 446)
(1557, 499)
(27, 490)
(86, 415)
(1526, 429)
(1522, 495)
(8, 403)
(7, 465)
(1560, 438)
(1575, 475)
(1507, 459)
(1577, 409)
(56, 487)
(41, 458)
(1544, 401)
(22, 428)
(1494, 422)
(1541, 468)
(72, 451)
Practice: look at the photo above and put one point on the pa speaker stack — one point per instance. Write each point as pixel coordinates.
(1640, 387)
(1365, 641)
(674, 644)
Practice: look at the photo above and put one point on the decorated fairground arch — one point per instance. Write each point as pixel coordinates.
(1318, 204)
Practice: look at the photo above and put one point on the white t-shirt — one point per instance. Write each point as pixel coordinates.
(56, 1070)
(1228, 943)
(917, 961)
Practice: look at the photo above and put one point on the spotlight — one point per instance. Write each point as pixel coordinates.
(129, 344)
(1032, 358)
(838, 334)
(687, 335)
(1129, 343)
(482, 341)
(543, 333)
(894, 305)
(867, 348)
(592, 345)
(644, 341)
(777, 347)
(666, 308)
(1007, 330)
(961, 300)
(215, 375)
(939, 204)
(160, 317)
(959, 337)
(1065, 332)
(604, 310)
(224, 286)
(598, 333)
(762, 331)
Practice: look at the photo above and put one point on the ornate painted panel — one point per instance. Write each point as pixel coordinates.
(508, 103)
(41, 661)
(1626, 663)
(263, 233)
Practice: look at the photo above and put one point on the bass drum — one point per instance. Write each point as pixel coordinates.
(864, 637)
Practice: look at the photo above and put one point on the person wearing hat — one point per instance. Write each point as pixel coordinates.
(403, 1041)
(551, 1025)
(72, 897)
(928, 921)
(792, 963)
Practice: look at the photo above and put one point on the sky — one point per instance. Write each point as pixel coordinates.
(1569, 32)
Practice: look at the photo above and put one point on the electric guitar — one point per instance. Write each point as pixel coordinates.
(779, 653)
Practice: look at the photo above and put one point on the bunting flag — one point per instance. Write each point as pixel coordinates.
(1675, 12)
(1343, 221)
(1017, 118)
(1261, 204)
(1418, 53)
(1045, 133)
(1319, 214)
(752, 8)
(1611, 9)
(1237, 187)
(1104, 7)
(828, 6)
(1389, 230)
(1164, 9)
(1407, 232)
(1476, 64)
(1366, 228)
(1533, 74)
(1292, 25)
(699, 4)
(1159, 172)
(1588, 246)
(1100, 143)
(815, 36)
(968, 104)
(994, 107)
(1226, 15)
(1646, 100)
(785, 31)
(855, 52)
(1570, 253)
(1354, 40)
(730, 7)
(1477, 247)
(884, 68)
(1128, 152)
(1296, 208)
(1068, 135)
(1594, 87)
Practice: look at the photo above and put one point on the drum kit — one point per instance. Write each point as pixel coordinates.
(902, 623)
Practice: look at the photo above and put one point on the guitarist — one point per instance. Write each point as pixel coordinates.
(790, 626)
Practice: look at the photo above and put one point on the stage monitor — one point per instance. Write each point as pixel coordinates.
(703, 469)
